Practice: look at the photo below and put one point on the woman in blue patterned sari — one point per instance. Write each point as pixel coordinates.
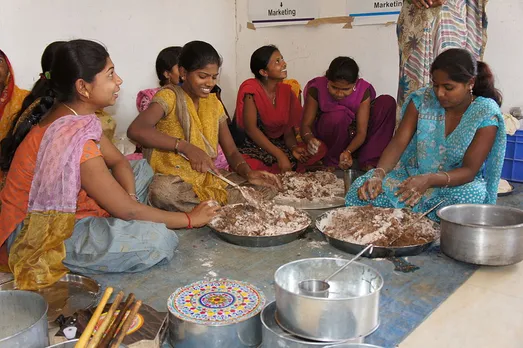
(449, 146)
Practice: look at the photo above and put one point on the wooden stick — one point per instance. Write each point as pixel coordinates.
(111, 330)
(105, 324)
(82, 342)
(126, 325)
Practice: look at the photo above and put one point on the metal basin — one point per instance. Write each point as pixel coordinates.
(377, 251)
(274, 336)
(350, 310)
(482, 234)
(260, 241)
(23, 323)
(71, 293)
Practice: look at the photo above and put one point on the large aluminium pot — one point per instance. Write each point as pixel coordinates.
(482, 234)
(23, 323)
(351, 309)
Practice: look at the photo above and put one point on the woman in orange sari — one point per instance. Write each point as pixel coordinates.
(71, 200)
(11, 97)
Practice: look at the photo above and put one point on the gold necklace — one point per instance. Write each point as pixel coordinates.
(269, 96)
(70, 109)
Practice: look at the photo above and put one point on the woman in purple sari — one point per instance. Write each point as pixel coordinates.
(341, 110)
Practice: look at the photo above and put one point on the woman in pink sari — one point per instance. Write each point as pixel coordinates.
(341, 111)
(167, 72)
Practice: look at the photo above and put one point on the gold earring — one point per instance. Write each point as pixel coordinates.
(87, 95)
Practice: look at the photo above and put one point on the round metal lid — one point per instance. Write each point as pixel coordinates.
(216, 302)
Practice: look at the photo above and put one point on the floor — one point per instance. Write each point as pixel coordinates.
(485, 312)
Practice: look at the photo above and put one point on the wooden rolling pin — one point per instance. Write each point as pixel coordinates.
(82, 342)
(105, 324)
(116, 323)
(126, 325)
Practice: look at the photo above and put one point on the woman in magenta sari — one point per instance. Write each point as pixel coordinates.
(341, 111)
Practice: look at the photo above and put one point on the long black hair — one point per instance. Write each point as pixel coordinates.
(166, 60)
(197, 55)
(76, 59)
(343, 68)
(41, 86)
(261, 58)
(462, 67)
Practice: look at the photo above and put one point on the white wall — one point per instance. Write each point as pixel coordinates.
(309, 51)
(505, 48)
(134, 32)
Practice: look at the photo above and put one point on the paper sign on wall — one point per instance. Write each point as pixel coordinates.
(265, 13)
(368, 12)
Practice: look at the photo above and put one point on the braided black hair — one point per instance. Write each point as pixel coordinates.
(73, 60)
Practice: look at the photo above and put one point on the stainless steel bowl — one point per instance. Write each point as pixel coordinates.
(71, 293)
(482, 234)
(275, 336)
(23, 323)
(259, 241)
(350, 311)
(377, 252)
(349, 176)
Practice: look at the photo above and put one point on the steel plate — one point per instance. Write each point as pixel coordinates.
(378, 251)
(70, 294)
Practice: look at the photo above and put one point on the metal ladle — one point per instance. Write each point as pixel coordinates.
(320, 288)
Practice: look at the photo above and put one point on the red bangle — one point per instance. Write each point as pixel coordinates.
(189, 220)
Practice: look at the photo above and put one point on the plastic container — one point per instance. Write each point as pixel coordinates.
(513, 166)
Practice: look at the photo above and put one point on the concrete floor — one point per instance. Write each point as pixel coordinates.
(201, 255)
(485, 312)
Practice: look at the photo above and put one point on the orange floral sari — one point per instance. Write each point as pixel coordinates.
(11, 99)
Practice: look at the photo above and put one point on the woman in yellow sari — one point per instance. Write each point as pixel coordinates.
(295, 86)
(189, 122)
(11, 97)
